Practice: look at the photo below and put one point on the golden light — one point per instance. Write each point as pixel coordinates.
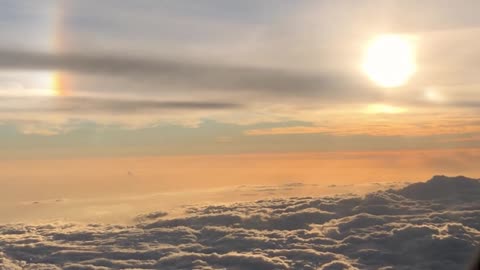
(432, 95)
(38, 83)
(58, 84)
(384, 109)
(390, 60)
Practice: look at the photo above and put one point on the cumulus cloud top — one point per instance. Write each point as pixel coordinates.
(408, 228)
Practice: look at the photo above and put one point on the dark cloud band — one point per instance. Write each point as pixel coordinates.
(88, 104)
(193, 75)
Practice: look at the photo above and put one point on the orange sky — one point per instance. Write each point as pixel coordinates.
(41, 179)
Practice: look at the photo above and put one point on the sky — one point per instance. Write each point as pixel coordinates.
(188, 94)
(226, 134)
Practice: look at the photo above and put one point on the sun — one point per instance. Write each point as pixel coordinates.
(390, 60)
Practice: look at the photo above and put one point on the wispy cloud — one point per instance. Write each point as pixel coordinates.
(388, 125)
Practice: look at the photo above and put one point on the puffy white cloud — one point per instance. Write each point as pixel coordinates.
(421, 226)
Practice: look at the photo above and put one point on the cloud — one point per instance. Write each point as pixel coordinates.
(441, 187)
(87, 105)
(287, 130)
(162, 72)
(287, 57)
(393, 229)
(360, 123)
(150, 216)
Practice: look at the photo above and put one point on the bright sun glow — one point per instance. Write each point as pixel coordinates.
(390, 60)
(38, 84)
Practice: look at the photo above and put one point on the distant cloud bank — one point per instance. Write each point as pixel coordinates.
(432, 225)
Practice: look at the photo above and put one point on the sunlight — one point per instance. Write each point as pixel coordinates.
(390, 60)
(58, 84)
(384, 109)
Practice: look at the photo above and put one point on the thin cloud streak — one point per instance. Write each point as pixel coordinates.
(88, 104)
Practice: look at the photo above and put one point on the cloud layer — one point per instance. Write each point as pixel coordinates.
(433, 225)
